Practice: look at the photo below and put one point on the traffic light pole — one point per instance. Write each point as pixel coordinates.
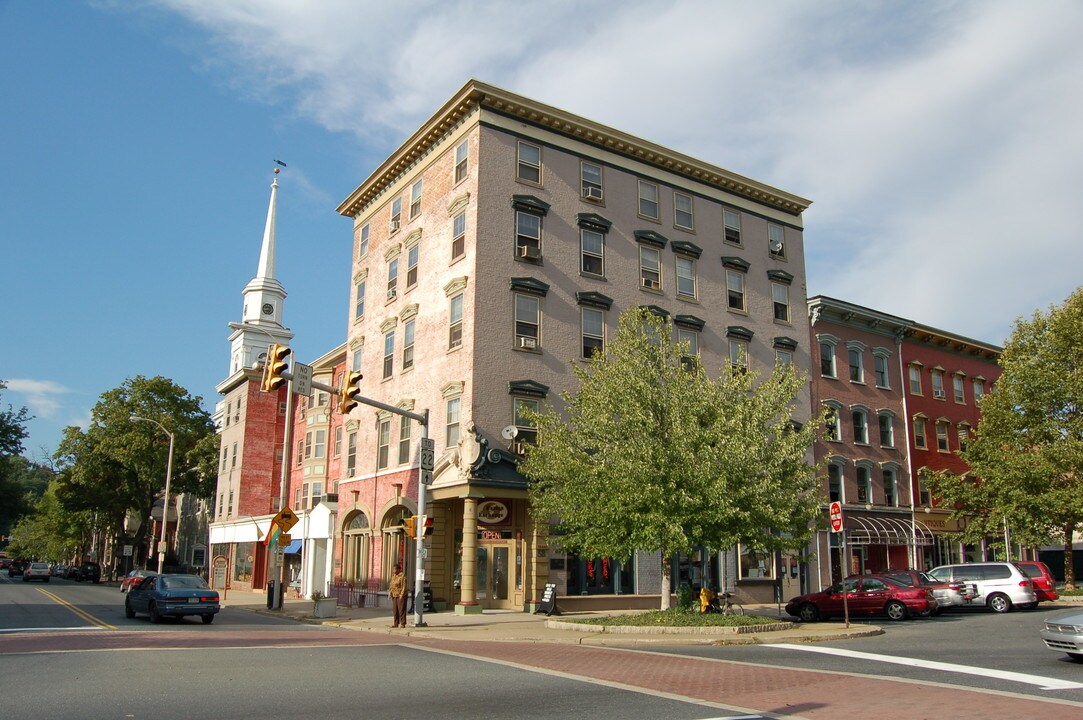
(419, 541)
(283, 496)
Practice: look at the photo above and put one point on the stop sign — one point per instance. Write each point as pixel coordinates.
(835, 514)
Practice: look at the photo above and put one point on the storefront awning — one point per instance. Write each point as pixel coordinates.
(293, 548)
(887, 531)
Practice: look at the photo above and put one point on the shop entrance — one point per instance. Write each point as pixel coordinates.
(494, 574)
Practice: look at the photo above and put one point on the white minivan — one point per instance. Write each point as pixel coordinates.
(997, 585)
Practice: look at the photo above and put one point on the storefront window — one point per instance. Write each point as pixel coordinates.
(599, 576)
(242, 562)
(756, 564)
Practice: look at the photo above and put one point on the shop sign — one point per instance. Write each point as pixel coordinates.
(492, 512)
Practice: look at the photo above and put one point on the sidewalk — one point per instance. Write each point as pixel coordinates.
(512, 626)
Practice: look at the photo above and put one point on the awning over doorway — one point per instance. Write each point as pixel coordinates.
(887, 531)
(293, 548)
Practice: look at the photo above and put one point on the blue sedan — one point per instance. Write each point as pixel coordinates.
(174, 596)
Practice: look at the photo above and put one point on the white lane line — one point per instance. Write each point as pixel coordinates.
(50, 629)
(1045, 683)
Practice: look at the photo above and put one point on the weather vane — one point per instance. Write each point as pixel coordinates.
(279, 162)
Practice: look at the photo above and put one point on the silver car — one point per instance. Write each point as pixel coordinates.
(1065, 633)
(36, 571)
(999, 586)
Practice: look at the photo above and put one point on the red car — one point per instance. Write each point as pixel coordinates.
(1045, 586)
(134, 578)
(865, 595)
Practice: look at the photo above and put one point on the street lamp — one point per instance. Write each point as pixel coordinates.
(165, 503)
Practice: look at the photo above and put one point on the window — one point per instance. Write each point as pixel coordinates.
(455, 322)
(408, 344)
(359, 305)
(592, 247)
(591, 180)
(300, 452)
(458, 236)
(527, 235)
(732, 222)
(351, 454)
(396, 215)
(834, 483)
(593, 332)
(857, 365)
(358, 354)
(404, 440)
(392, 278)
(451, 427)
(923, 493)
(735, 290)
(832, 423)
(942, 435)
(686, 277)
(776, 240)
(827, 360)
(738, 355)
(529, 163)
(363, 242)
(415, 200)
(528, 432)
(682, 211)
(383, 443)
(319, 448)
(964, 436)
(883, 376)
(650, 268)
(783, 356)
(690, 337)
(462, 152)
(389, 354)
(919, 433)
(890, 497)
(957, 387)
(780, 297)
(527, 321)
(915, 380)
(411, 265)
(938, 384)
(887, 430)
(979, 389)
(864, 485)
(755, 563)
(648, 200)
(861, 427)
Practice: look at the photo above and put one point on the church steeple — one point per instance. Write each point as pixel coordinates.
(264, 299)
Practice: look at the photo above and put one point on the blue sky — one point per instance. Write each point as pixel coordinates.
(939, 142)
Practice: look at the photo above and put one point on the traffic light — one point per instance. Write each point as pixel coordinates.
(426, 525)
(409, 524)
(274, 367)
(351, 387)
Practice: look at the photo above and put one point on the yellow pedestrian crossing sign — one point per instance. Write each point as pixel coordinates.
(285, 519)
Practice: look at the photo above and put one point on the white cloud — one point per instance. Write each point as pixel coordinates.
(937, 140)
(43, 397)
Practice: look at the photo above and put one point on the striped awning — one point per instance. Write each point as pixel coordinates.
(887, 531)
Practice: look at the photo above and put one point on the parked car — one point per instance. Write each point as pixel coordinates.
(865, 595)
(89, 571)
(1045, 585)
(71, 572)
(36, 571)
(5, 563)
(134, 578)
(16, 568)
(1065, 633)
(947, 594)
(166, 595)
(999, 586)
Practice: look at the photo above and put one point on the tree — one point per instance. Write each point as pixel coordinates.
(654, 456)
(12, 486)
(1026, 460)
(117, 466)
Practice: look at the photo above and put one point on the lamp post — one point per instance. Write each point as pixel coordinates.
(165, 502)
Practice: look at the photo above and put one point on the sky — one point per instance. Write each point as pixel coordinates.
(940, 143)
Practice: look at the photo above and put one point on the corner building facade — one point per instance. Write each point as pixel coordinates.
(495, 248)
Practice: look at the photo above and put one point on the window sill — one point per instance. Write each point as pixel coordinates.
(531, 351)
(652, 291)
(830, 377)
(592, 276)
(737, 311)
(648, 218)
(857, 382)
(531, 183)
(787, 323)
(688, 299)
(689, 230)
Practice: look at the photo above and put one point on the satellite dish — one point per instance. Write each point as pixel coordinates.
(776, 246)
(509, 432)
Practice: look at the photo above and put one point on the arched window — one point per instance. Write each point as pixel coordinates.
(397, 547)
(356, 549)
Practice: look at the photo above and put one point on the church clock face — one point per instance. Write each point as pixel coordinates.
(268, 309)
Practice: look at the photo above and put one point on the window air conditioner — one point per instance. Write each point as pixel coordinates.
(593, 193)
(938, 394)
(393, 226)
(529, 252)
(392, 294)
(650, 284)
(528, 343)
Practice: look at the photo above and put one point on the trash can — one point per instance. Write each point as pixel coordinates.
(271, 585)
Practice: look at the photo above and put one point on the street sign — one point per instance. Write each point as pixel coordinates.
(285, 519)
(835, 515)
(426, 477)
(285, 539)
(428, 453)
(302, 379)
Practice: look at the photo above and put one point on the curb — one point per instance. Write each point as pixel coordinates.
(668, 629)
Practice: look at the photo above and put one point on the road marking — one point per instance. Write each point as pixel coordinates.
(78, 611)
(1044, 683)
(47, 629)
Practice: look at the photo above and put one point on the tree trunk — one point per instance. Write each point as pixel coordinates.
(1069, 567)
(667, 569)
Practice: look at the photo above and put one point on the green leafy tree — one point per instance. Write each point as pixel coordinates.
(13, 431)
(51, 532)
(117, 465)
(22, 483)
(1026, 461)
(652, 455)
